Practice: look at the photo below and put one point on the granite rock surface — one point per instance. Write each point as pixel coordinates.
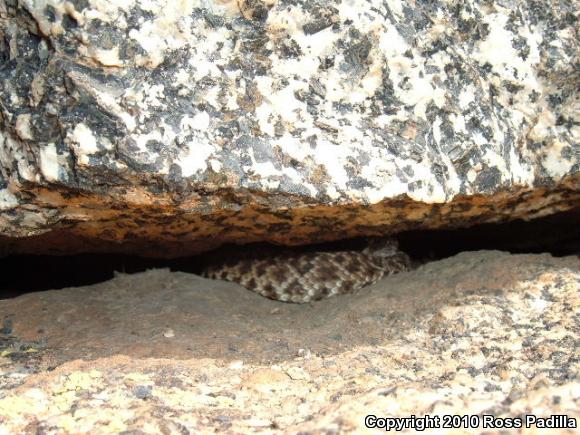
(172, 126)
(165, 352)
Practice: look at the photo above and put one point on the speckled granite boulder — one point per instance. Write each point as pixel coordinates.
(173, 126)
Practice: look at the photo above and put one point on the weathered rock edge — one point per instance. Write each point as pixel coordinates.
(161, 231)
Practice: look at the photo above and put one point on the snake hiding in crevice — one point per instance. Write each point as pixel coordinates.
(309, 276)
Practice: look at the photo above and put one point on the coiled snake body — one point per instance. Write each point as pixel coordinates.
(311, 276)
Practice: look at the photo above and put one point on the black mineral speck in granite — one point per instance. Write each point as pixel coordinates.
(142, 391)
(6, 327)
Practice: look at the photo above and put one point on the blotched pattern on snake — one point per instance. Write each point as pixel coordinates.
(310, 276)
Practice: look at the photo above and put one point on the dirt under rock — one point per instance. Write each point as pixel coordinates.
(481, 333)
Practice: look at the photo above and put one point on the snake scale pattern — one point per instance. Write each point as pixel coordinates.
(310, 276)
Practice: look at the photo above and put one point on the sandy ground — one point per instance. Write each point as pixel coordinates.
(482, 333)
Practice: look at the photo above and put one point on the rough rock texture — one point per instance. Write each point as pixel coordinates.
(173, 126)
(480, 333)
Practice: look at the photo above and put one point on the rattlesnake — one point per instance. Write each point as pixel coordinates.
(310, 276)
